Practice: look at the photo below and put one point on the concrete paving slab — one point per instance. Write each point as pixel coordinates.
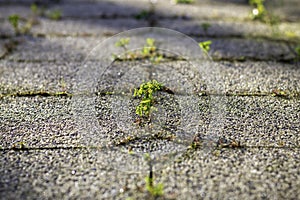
(79, 173)
(220, 29)
(255, 49)
(75, 49)
(92, 27)
(50, 49)
(264, 121)
(50, 121)
(79, 9)
(47, 154)
(240, 78)
(37, 122)
(203, 10)
(36, 77)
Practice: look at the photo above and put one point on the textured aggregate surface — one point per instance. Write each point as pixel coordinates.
(68, 128)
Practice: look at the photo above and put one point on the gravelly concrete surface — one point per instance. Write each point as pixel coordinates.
(54, 146)
(72, 174)
(253, 121)
(239, 77)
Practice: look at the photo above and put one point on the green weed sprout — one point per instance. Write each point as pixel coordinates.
(34, 9)
(150, 51)
(149, 47)
(183, 1)
(297, 50)
(260, 12)
(205, 46)
(55, 14)
(205, 26)
(14, 21)
(123, 42)
(146, 91)
(155, 190)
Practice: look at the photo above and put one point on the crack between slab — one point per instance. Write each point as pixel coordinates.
(275, 94)
(101, 148)
(39, 93)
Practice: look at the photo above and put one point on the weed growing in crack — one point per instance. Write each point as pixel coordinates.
(34, 9)
(54, 14)
(183, 1)
(259, 12)
(205, 46)
(149, 51)
(19, 145)
(297, 50)
(205, 26)
(156, 190)
(123, 42)
(14, 20)
(146, 92)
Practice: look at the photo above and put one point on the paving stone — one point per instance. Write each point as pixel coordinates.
(47, 121)
(215, 28)
(36, 77)
(50, 145)
(86, 27)
(234, 78)
(73, 174)
(220, 29)
(234, 174)
(81, 9)
(202, 10)
(256, 49)
(266, 121)
(51, 49)
(37, 122)
(256, 77)
(75, 49)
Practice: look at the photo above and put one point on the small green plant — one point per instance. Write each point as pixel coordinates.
(34, 9)
(123, 42)
(149, 51)
(146, 92)
(19, 145)
(155, 190)
(205, 46)
(297, 50)
(184, 1)
(14, 21)
(205, 26)
(259, 12)
(144, 14)
(27, 24)
(54, 14)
